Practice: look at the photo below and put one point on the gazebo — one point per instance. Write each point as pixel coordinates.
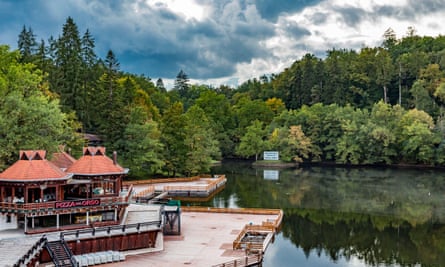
(40, 195)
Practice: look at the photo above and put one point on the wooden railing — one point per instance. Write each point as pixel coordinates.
(146, 192)
(163, 180)
(46, 206)
(238, 243)
(170, 180)
(93, 231)
(244, 261)
(32, 252)
(211, 185)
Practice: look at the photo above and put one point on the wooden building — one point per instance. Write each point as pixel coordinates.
(39, 195)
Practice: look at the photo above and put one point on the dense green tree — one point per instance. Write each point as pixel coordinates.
(160, 85)
(182, 85)
(246, 111)
(292, 143)
(90, 76)
(141, 147)
(384, 71)
(382, 133)
(350, 146)
(200, 141)
(417, 138)
(68, 60)
(27, 45)
(173, 135)
(29, 119)
(220, 115)
(253, 143)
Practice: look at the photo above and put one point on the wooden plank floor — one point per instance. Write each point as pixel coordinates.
(206, 239)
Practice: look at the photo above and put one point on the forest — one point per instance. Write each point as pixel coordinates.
(376, 106)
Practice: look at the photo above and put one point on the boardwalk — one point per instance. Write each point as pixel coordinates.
(207, 234)
(206, 240)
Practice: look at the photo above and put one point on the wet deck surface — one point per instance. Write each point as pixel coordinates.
(205, 240)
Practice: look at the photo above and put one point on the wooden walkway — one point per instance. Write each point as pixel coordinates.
(207, 236)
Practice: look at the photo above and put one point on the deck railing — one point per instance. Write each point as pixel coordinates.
(32, 252)
(51, 205)
(211, 185)
(93, 231)
(171, 180)
(238, 243)
(146, 192)
(244, 261)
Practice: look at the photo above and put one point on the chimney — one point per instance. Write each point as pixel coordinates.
(114, 157)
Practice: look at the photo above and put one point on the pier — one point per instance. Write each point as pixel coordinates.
(176, 235)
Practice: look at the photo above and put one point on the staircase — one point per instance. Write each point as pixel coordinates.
(60, 253)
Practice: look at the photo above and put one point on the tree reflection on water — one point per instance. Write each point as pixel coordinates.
(381, 217)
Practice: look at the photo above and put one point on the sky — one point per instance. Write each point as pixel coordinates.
(221, 42)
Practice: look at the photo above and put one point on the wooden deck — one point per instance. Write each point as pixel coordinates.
(198, 186)
(207, 236)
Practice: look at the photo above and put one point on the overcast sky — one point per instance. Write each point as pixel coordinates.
(221, 41)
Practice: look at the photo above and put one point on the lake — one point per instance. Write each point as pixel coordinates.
(344, 216)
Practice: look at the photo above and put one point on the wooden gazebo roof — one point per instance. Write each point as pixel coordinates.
(94, 162)
(33, 166)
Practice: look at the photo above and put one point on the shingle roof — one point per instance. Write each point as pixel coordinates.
(62, 160)
(33, 166)
(95, 162)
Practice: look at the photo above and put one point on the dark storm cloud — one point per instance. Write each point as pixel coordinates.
(319, 18)
(153, 40)
(352, 16)
(294, 30)
(411, 10)
(272, 9)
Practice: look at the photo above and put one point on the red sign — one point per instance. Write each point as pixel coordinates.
(78, 203)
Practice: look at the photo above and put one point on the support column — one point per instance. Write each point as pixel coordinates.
(115, 214)
(32, 222)
(25, 193)
(2, 194)
(88, 218)
(61, 195)
(26, 223)
(41, 195)
(57, 221)
(12, 194)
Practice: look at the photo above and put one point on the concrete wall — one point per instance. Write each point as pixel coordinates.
(8, 223)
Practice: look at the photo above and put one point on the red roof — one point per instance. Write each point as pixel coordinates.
(33, 166)
(95, 162)
(62, 160)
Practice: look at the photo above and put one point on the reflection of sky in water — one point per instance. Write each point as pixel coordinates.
(283, 253)
(226, 203)
(372, 201)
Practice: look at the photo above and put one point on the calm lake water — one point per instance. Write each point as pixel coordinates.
(344, 217)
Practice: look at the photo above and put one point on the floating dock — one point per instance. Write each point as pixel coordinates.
(197, 186)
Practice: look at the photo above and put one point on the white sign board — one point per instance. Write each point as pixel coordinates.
(271, 174)
(271, 155)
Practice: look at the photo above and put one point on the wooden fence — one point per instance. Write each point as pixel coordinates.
(242, 262)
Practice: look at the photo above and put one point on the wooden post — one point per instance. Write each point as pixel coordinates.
(2, 194)
(13, 194)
